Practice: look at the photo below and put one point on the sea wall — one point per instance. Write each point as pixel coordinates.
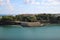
(31, 24)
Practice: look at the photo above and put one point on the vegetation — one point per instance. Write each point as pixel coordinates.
(50, 18)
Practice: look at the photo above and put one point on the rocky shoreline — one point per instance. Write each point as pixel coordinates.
(26, 20)
(31, 24)
(24, 24)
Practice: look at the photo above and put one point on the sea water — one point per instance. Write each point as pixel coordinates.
(18, 32)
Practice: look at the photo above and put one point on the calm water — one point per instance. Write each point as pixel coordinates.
(33, 33)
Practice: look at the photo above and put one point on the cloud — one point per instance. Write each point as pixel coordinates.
(50, 2)
(26, 1)
(1, 2)
(31, 2)
(44, 2)
(10, 7)
(6, 6)
(54, 2)
(37, 3)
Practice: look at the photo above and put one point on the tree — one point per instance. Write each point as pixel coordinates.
(42, 17)
(7, 18)
(31, 19)
(20, 17)
(58, 18)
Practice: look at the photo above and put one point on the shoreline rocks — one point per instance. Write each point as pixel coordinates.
(24, 24)
(31, 24)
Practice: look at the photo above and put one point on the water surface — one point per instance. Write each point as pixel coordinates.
(19, 32)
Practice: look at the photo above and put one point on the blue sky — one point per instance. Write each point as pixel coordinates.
(13, 7)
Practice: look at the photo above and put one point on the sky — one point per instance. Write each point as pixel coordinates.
(14, 7)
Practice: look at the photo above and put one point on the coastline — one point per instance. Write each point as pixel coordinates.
(24, 24)
(27, 24)
(31, 24)
(25, 20)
